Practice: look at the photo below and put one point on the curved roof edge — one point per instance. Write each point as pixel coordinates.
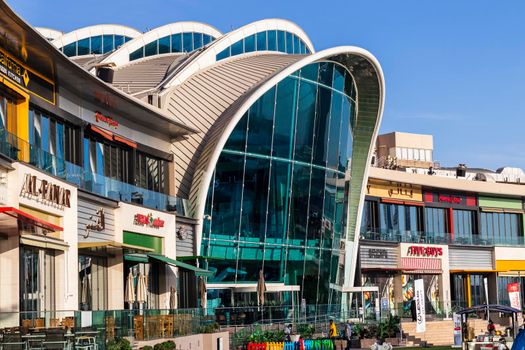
(121, 56)
(369, 80)
(49, 33)
(98, 29)
(207, 57)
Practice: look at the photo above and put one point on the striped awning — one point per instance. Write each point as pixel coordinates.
(421, 264)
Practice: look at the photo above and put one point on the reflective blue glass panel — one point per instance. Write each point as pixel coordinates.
(135, 55)
(119, 41)
(187, 42)
(176, 43)
(151, 48)
(289, 42)
(164, 44)
(83, 47)
(197, 40)
(272, 40)
(249, 43)
(70, 49)
(261, 41)
(108, 44)
(281, 41)
(96, 44)
(237, 48)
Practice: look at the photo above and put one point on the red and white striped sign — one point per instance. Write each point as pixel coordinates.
(421, 264)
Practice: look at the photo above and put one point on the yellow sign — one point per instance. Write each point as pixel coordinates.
(510, 265)
(395, 190)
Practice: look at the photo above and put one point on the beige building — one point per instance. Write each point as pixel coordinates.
(403, 149)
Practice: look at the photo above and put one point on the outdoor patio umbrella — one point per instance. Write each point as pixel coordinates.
(129, 293)
(202, 290)
(141, 290)
(173, 298)
(261, 288)
(84, 290)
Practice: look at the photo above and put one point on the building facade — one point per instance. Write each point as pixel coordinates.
(463, 236)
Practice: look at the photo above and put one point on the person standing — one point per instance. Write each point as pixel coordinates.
(332, 332)
(288, 332)
(348, 334)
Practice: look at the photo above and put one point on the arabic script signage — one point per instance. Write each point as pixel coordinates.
(395, 190)
(148, 220)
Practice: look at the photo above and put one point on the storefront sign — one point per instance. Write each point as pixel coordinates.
(514, 295)
(97, 224)
(46, 192)
(450, 198)
(26, 78)
(419, 299)
(443, 198)
(424, 251)
(396, 190)
(374, 253)
(148, 220)
(99, 117)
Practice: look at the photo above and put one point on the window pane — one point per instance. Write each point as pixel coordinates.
(223, 54)
(206, 39)
(237, 139)
(176, 43)
(108, 44)
(289, 42)
(260, 124)
(135, 55)
(305, 121)
(164, 44)
(187, 42)
(197, 40)
(237, 48)
(151, 49)
(278, 202)
(310, 72)
(296, 48)
(281, 41)
(96, 44)
(83, 47)
(322, 127)
(254, 199)
(272, 40)
(299, 209)
(119, 41)
(249, 43)
(261, 41)
(70, 50)
(285, 118)
(335, 130)
(326, 73)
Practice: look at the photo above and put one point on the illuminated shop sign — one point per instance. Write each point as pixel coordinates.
(148, 221)
(26, 78)
(46, 192)
(415, 250)
(105, 119)
(448, 198)
(395, 190)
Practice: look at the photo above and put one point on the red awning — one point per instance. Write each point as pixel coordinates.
(9, 221)
(102, 132)
(125, 141)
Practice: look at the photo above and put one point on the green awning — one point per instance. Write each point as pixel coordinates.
(136, 257)
(166, 260)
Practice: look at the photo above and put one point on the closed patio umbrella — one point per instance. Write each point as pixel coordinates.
(129, 293)
(173, 298)
(141, 290)
(84, 291)
(261, 288)
(202, 291)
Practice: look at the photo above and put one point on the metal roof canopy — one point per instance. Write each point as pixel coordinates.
(491, 307)
(28, 46)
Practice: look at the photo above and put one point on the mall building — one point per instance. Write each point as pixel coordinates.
(184, 156)
(452, 227)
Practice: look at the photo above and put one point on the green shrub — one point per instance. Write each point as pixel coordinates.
(147, 347)
(167, 345)
(306, 330)
(118, 344)
(209, 328)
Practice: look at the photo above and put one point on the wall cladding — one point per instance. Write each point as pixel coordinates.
(87, 215)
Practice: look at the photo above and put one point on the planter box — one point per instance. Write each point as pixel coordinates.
(367, 343)
(355, 344)
(392, 341)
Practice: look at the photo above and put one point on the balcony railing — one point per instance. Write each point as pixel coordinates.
(439, 238)
(20, 150)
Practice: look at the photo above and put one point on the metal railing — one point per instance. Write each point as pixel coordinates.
(20, 150)
(439, 238)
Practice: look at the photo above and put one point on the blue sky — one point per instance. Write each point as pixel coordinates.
(455, 69)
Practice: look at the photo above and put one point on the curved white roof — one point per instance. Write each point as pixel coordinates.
(48, 33)
(95, 30)
(121, 56)
(208, 56)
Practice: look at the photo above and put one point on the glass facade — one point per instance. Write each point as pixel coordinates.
(180, 42)
(271, 40)
(99, 44)
(276, 200)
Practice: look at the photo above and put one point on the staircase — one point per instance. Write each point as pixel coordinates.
(437, 333)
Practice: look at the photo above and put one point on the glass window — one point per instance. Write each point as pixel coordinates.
(254, 198)
(436, 222)
(108, 44)
(281, 41)
(237, 139)
(289, 42)
(261, 41)
(287, 94)
(278, 200)
(83, 47)
(119, 41)
(310, 72)
(335, 130)
(37, 279)
(223, 54)
(299, 204)
(410, 154)
(296, 48)
(237, 48)
(404, 153)
(126, 39)
(302, 47)
(428, 155)
(187, 42)
(305, 121)
(501, 227)
(92, 281)
(96, 44)
(135, 55)
(176, 43)
(70, 50)
(322, 125)
(151, 49)
(345, 145)
(272, 40)
(164, 45)
(326, 73)
(260, 124)
(197, 40)
(206, 39)
(249, 43)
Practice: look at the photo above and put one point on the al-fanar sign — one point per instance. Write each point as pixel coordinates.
(148, 220)
(46, 192)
